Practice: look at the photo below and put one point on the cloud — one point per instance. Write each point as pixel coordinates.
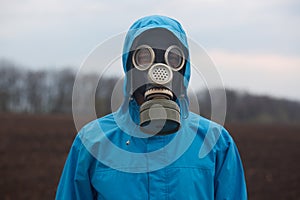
(19, 18)
(272, 74)
(267, 62)
(246, 39)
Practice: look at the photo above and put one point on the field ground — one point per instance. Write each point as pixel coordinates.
(33, 150)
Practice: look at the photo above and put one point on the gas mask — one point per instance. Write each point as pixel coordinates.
(158, 62)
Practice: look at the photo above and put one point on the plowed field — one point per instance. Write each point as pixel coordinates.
(33, 150)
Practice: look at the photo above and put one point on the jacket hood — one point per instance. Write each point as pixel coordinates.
(151, 22)
(129, 106)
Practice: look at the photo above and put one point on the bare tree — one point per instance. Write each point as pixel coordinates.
(61, 98)
(35, 90)
(11, 86)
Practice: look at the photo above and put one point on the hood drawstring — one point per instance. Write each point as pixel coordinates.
(184, 106)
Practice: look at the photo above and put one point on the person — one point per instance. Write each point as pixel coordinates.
(149, 147)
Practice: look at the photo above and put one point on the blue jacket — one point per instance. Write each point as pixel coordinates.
(112, 159)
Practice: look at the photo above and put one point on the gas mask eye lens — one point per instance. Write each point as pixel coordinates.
(143, 57)
(174, 57)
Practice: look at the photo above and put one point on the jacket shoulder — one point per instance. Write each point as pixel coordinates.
(211, 131)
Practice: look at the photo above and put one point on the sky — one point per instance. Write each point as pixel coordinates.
(255, 45)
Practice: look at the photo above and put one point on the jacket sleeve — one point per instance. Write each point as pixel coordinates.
(229, 178)
(75, 182)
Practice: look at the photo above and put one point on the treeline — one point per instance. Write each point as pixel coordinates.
(245, 107)
(47, 91)
(50, 92)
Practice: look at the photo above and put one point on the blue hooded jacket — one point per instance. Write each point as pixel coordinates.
(112, 159)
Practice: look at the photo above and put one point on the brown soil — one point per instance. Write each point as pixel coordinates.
(33, 150)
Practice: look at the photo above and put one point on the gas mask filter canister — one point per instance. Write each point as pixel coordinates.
(159, 113)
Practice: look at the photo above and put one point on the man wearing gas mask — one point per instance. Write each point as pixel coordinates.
(154, 125)
(157, 64)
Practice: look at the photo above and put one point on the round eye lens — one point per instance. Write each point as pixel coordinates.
(175, 58)
(143, 57)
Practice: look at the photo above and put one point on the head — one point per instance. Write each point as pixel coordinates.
(156, 60)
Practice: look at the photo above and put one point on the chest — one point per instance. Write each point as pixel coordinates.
(187, 178)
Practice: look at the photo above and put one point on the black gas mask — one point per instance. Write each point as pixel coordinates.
(158, 62)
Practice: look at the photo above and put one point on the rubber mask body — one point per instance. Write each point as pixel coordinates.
(158, 63)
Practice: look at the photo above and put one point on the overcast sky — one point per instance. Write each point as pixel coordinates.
(254, 44)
